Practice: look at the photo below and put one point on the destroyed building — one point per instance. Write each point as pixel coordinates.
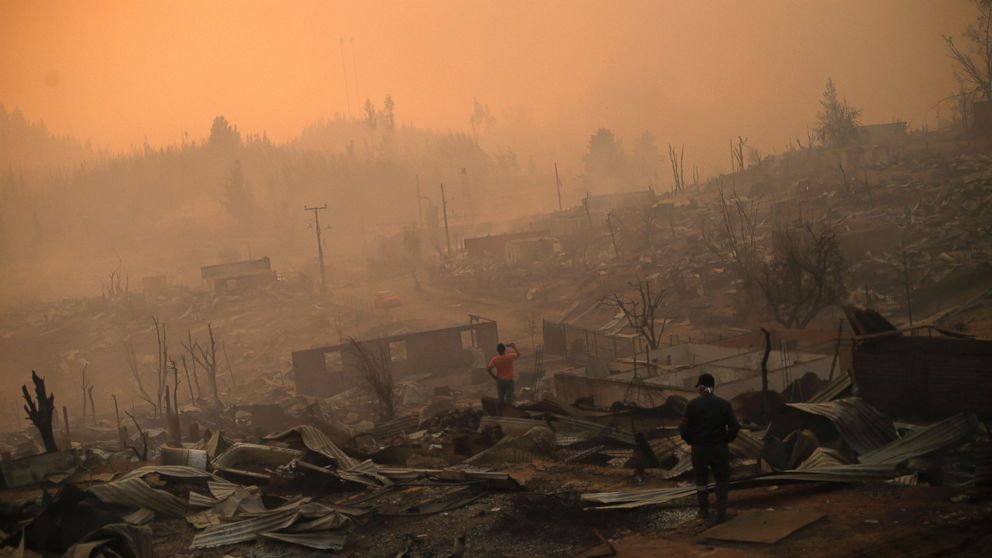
(830, 281)
(325, 371)
(238, 276)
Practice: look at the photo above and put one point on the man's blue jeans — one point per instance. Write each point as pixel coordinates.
(504, 391)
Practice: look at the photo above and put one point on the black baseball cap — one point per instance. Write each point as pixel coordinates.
(706, 380)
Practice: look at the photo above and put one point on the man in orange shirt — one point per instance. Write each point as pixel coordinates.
(503, 365)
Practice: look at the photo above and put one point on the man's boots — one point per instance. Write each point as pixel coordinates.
(702, 498)
(721, 503)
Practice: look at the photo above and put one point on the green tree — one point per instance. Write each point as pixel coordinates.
(605, 162)
(481, 119)
(388, 118)
(837, 121)
(223, 135)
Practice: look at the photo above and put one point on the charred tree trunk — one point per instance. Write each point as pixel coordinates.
(41, 413)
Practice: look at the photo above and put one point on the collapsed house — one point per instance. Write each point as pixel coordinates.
(510, 247)
(237, 276)
(328, 370)
(914, 374)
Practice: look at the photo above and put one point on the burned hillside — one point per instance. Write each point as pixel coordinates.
(476, 281)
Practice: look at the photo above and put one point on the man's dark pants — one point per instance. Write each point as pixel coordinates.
(504, 391)
(715, 458)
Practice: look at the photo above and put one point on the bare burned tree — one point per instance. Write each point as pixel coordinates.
(974, 65)
(374, 366)
(172, 407)
(804, 275)
(641, 310)
(737, 154)
(163, 363)
(41, 413)
(117, 283)
(132, 364)
(143, 436)
(677, 158)
(736, 239)
(206, 357)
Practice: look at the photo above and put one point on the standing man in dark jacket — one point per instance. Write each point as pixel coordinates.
(708, 426)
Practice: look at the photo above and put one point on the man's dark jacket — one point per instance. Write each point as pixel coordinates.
(708, 420)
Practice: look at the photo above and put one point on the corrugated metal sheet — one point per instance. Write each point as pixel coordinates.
(905, 480)
(856, 472)
(682, 467)
(937, 436)
(175, 471)
(221, 488)
(822, 458)
(197, 500)
(862, 426)
(235, 458)
(318, 442)
(833, 389)
(246, 530)
(581, 455)
(565, 440)
(510, 424)
(395, 427)
(135, 493)
(586, 425)
(747, 445)
(647, 497)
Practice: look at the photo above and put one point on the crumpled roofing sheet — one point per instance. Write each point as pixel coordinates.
(863, 427)
(318, 442)
(135, 493)
(946, 433)
(628, 499)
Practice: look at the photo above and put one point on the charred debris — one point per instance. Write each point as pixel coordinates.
(257, 415)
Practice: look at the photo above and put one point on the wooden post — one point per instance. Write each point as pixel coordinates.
(65, 417)
(764, 374)
(905, 277)
(121, 439)
(320, 244)
(613, 236)
(444, 209)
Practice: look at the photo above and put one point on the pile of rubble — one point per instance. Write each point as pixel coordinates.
(313, 483)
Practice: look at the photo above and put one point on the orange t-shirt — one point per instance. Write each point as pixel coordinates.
(504, 365)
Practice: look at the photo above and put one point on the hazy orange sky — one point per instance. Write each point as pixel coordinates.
(552, 71)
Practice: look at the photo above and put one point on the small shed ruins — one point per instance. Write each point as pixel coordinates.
(506, 247)
(325, 371)
(235, 276)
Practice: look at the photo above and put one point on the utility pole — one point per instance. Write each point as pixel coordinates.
(420, 209)
(320, 245)
(444, 208)
(558, 186)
